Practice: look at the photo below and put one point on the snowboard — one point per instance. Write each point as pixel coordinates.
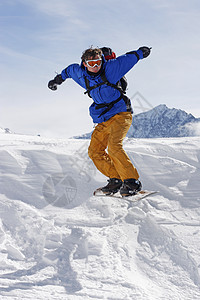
(134, 198)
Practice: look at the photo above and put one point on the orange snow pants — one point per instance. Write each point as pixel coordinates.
(109, 135)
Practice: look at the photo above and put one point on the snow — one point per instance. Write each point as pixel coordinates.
(57, 241)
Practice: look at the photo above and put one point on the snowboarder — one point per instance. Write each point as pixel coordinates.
(112, 112)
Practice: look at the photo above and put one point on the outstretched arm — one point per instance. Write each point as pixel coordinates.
(73, 71)
(122, 64)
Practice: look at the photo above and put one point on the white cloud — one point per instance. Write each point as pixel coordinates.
(194, 128)
(52, 8)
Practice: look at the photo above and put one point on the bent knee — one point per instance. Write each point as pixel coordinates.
(90, 152)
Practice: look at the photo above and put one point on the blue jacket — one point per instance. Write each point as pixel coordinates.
(114, 70)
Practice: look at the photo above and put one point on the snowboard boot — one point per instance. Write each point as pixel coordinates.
(113, 186)
(130, 187)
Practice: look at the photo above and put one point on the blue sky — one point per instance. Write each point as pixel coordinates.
(41, 37)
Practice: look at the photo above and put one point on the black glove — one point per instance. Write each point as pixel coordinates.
(146, 51)
(56, 81)
(52, 85)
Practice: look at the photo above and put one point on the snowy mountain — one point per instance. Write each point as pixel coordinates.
(57, 241)
(161, 121)
(5, 130)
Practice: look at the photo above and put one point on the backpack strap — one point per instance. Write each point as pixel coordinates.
(104, 81)
(90, 88)
(115, 86)
(123, 83)
(107, 105)
(110, 104)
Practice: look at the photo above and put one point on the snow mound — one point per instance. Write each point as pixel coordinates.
(57, 241)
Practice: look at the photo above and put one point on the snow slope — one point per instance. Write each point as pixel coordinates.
(57, 241)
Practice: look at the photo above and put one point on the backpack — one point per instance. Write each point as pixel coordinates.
(109, 54)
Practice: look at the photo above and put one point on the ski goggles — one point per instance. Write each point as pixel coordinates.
(94, 62)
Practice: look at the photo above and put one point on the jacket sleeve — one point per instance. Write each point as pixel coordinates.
(71, 71)
(117, 68)
(75, 72)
